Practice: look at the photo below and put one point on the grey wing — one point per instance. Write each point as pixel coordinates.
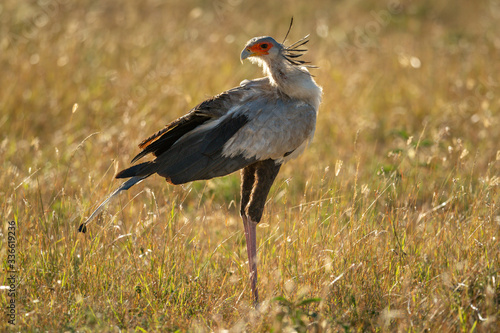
(199, 155)
(278, 129)
(210, 109)
(191, 148)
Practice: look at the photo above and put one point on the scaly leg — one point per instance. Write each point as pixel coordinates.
(251, 239)
(256, 183)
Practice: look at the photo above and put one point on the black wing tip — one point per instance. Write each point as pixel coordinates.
(133, 171)
(82, 228)
(124, 174)
(138, 156)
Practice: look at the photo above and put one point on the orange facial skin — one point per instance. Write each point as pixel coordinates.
(260, 49)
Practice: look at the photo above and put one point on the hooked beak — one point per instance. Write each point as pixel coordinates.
(245, 54)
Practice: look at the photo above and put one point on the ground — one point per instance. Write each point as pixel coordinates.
(390, 221)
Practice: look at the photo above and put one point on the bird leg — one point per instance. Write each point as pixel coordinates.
(247, 181)
(256, 181)
(251, 239)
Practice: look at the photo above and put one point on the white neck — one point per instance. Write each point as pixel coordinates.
(293, 81)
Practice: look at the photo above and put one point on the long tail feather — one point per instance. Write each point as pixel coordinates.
(125, 186)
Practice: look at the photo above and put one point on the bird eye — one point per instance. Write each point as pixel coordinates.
(264, 46)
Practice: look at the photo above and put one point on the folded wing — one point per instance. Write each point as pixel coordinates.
(244, 125)
(190, 148)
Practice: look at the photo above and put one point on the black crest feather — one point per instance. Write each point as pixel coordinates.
(292, 52)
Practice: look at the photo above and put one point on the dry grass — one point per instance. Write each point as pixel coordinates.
(389, 222)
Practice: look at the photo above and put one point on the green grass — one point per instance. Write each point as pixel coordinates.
(390, 221)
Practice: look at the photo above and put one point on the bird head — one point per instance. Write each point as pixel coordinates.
(267, 49)
(261, 47)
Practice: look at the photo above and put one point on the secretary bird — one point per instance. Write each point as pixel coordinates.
(255, 127)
